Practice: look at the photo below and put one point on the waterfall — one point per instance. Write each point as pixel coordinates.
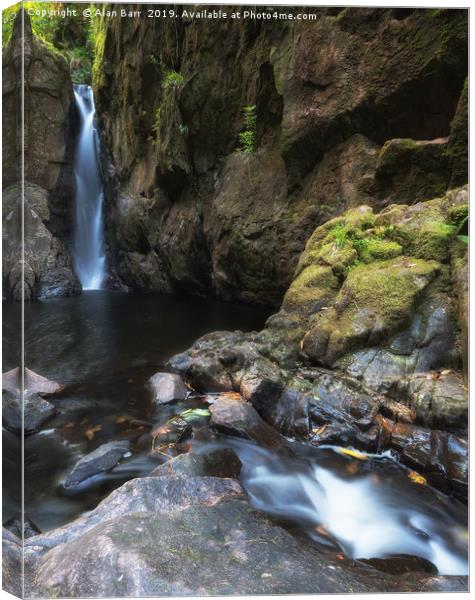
(88, 239)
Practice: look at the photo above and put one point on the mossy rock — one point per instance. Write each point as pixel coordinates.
(375, 301)
(313, 289)
(423, 229)
(373, 249)
(318, 250)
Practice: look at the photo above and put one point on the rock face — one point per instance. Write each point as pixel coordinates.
(49, 180)
(335, 128)
(102, 459)
(365, 350)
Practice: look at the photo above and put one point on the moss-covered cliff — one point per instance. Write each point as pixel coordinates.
(356, 107)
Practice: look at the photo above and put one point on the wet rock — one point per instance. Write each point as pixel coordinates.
(11, 563)
(235, 417)
(441, 456)
(262, 383)
(36, 411)
(428, 343)
(460, 282)
(289, 413)
(207, 364)
(14, 524)
(444, 584)
(439, 400)
(177, 553)
(40, 385)
(102, 459)
(221, 462)
(374, 301)
(157, 495)
(168, 387)
(170, 433)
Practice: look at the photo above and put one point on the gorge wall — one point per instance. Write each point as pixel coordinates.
(360, 106)
(49, 136)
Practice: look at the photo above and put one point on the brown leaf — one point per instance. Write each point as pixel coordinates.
(89, 433)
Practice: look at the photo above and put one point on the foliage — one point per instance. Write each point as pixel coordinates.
(69, 36)
(173, 79)
(194, 413)
(247, 138)
(341, 234)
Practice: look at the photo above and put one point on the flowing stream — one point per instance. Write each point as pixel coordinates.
(88, 238)
(103, 346)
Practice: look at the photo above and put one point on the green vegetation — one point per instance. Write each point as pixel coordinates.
(70, 36)
(247, 138)
(173, 79)
(369, 245)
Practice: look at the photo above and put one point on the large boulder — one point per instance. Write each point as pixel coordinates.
(374, 301)
(177, 530)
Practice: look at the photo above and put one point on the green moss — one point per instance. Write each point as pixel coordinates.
(99, 46)
(173, 79)
(311, 290)
(374, 302)
(388, 287)
(371, 249)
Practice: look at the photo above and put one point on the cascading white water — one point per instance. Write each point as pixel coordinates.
(376, 513)
(88, 240)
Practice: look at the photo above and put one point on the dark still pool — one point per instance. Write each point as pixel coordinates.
(103, 347)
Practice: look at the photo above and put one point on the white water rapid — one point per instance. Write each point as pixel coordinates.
(88, 240)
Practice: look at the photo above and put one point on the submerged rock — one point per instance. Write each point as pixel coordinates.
(102, 459)
(168, 387)
(221, 462)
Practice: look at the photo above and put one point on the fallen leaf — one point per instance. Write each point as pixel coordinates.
(417, 478)
(69, 425)
(353, 453)
(120, 419)
(89, 433)
(319, 430)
